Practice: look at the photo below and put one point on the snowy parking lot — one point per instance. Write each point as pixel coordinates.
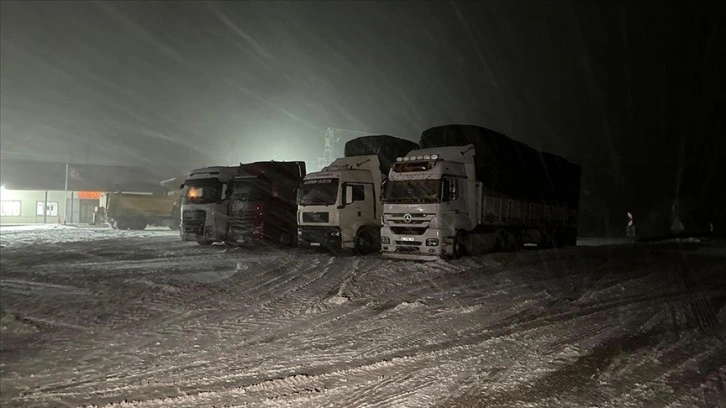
(99, 317)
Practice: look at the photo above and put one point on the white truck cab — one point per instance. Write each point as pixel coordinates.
(339, 206)
(429, 204)
(205, 204)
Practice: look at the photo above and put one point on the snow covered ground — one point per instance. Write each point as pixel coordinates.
(97, 317)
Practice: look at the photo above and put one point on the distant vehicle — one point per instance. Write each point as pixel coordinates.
(471, 189)
(136, 211)
(678, 218)
(262, 203)
(339, 207)
(241, 204)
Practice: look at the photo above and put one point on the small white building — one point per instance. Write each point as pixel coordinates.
(35, 192)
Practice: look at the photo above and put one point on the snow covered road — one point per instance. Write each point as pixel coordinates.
(97, 317)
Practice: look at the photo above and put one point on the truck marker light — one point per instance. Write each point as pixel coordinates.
(434, 156)
(398, 159)
(427, 157)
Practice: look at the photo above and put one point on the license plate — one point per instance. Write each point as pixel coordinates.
(315, 244)
(408, 239)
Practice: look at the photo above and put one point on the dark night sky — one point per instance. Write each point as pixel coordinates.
(620, 88)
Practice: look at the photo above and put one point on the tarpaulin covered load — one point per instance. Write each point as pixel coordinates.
(272, 169)
(511, 167)
(387, 148)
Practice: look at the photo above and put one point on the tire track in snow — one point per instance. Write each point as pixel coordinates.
(266, 287)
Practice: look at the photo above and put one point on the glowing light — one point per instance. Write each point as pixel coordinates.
(194, 192)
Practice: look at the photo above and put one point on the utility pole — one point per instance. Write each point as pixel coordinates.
(65, 197)
(332, 140)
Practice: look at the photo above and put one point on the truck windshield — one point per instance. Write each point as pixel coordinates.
(250, 189)
(413, 191)
(319, 192)
(203, 191)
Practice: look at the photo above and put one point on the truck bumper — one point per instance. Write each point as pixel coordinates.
(248, 235)
(319, 237)
(429, 246)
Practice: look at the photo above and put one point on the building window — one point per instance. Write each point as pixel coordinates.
(10, 208)
(51, 209)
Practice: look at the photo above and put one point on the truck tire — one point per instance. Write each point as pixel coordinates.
(460, 250)
(205, 243)
(500, 242)
(548, 239)
(287, 239)
(121, 225)
(365, 242)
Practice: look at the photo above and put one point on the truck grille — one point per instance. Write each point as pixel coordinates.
(193, 221)
(243, 219)
(408, 230)
(417, 219)
(193, 217)
(315, 217)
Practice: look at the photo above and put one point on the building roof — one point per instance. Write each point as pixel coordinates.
(34, 175)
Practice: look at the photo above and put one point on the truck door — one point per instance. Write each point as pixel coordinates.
(360, 202)
(454, 197)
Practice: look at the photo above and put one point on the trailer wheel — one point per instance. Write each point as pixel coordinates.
(460, 249)
(365, 242)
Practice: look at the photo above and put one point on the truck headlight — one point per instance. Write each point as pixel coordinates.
(385, 240)
(432, 242)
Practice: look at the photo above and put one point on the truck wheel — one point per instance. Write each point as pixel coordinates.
(500, 242)
(205, 243)
(120, 225)
(460, 249)
(365, 242)
(548, 239)
(287, 239)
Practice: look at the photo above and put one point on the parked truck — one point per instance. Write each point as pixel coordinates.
(470, 189)
(339, 207)
(241, 204)
(136, 211)
(204, 204)
(262, 203)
